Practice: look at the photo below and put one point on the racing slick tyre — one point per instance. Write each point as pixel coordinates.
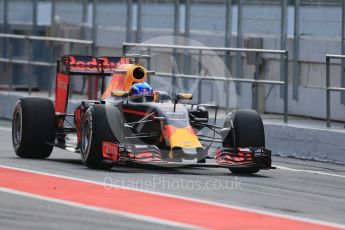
(248, 131)
(33, 127)
(100, 123)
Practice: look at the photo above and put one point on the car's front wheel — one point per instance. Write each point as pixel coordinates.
(247, 131)
(95, 129)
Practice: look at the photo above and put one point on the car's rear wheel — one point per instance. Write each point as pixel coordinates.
(100, 123)
(33, 127)
(247, 131)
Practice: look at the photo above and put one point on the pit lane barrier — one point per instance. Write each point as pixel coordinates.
(329, 89)
(201, 49)
(29, 61)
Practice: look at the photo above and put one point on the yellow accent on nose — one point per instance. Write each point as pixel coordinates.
(183, 138)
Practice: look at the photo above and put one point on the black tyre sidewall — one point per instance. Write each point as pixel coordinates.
(101, 131)
(248, 128)
(38, 127)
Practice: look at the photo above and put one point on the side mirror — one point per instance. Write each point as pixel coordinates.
(120, 93)
(184, 96)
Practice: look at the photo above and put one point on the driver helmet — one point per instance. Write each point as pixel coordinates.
(141, 92)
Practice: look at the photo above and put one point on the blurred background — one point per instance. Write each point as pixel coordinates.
(307, 29)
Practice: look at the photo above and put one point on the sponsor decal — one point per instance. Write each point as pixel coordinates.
(89, 63)
(110, 151)
(62, 84)
(62, 81)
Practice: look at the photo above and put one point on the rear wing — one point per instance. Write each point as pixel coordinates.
(90, 65)
(72, 65)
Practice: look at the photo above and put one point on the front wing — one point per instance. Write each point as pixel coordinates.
(224, 157)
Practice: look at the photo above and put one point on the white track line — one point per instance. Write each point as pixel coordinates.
(294, 218)
(6, 129)
(309, 171)
(104, 210)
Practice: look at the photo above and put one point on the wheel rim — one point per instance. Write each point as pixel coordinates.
(17, 126)
(86, 137)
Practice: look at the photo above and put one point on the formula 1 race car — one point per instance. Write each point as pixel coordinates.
(131, 123)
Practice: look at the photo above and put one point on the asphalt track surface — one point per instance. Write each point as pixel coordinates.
(309, 190)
